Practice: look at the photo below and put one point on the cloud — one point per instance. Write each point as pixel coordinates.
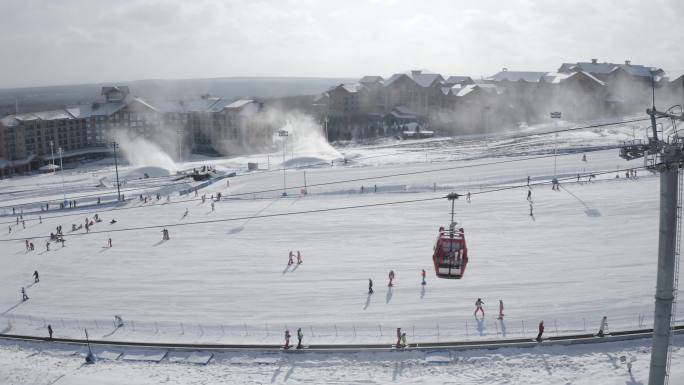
(78, 41)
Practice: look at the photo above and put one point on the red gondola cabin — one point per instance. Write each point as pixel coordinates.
(451, 253)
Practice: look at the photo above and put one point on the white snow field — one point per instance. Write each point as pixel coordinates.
(589, 250)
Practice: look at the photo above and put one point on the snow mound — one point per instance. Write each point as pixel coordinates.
(303, 161)
(150, 171)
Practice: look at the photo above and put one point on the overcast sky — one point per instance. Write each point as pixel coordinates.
(53, 42)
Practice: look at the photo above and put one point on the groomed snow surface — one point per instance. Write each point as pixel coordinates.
(587, 251)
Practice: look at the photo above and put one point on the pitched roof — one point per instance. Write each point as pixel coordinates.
(426, 80)
(514, 76)
(451, 80)
(371, 79)
(606, 68)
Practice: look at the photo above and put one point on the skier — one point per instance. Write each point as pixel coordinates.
(31, 246)
(529, 195)
(603, 327)
(186, 213)
(300, 335)
(50, 330)
(290, 260)
(478, 307)
(47, 246)
(35, 277)
(403, 340)
(113, 221)
(468, 197)
(287, 338)
(422, 275)
(584, 157)
(370, 286)
(212, 206)
(110, 242)
(398, 337)
(541, 331)
(299, 257)
(528, 181)
(391, 278)
(23, 224)
(40, 219)
(24, 297)
(501, 307)
(27, 245)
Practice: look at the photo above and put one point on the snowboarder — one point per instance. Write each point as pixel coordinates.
(50, 330)
(398, 337)
(35, 277)
(300, 335)
(501, 307)
(24, 297)
(541, 331)
(287, 338)
(299, 257)
(604, 326)
(110, 242)
(370, 286)
(529, 195)
(391, 278)
(422, 275)
(478, 307)
(290, 260)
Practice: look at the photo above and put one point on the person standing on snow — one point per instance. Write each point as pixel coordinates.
(541, 331)
(391, 278)
(478, 307)
(212, 206)
(422, 274)
(24, 297)
(403, 340)
(370, 286)
(287, 338)
(290, 260)
(35, 277)
(501, 307)
(604, 326)
(50, 330)
(529, 195)
(398, 337)
(110, 242)
(300, 335)
(299, 257)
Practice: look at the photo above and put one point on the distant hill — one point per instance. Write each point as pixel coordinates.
(45, 98)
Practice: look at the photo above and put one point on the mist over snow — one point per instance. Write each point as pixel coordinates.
(140, 152)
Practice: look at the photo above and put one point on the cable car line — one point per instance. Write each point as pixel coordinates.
(312, 185)
(369, 205)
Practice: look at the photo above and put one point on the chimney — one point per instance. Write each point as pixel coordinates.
(415, 72)
(594, 61)
(628, 62)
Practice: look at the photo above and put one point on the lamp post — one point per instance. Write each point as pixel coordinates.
(180, 145)
(283, 134)
(116, 167)
(60, 151)
(556, 115)
(52, 150)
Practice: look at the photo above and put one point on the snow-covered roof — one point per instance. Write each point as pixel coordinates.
(394, 78)
(606, 68)
(426, 80)
(559, 77)
(371, 79)
(451, 80)
(96, 109)
(514, 76)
